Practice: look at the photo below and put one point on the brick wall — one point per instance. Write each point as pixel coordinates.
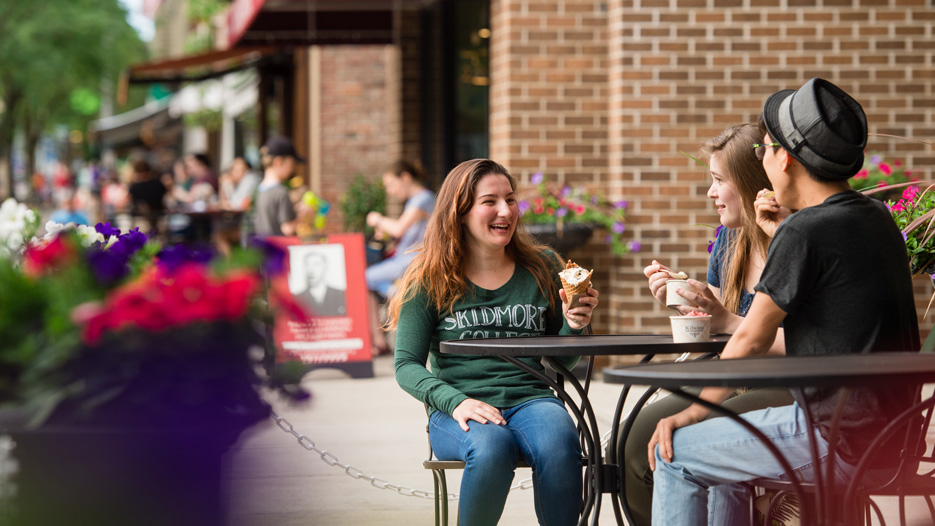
(548, 101)
(608, 93)
(354, 119)
(682, 70)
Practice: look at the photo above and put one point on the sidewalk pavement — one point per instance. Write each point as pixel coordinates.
(375, 427)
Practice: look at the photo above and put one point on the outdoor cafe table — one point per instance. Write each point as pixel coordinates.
(795, 372)
(601, 477)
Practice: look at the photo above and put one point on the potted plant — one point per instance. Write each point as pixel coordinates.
(914, 214)
(126, 372)
(364, 196)
(564, 217)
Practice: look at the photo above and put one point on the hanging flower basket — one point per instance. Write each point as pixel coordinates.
(572, 235)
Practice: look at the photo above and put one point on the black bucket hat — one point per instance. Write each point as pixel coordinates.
(821, 126)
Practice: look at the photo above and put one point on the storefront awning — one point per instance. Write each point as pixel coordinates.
(311, 22)
(201, 66)
(138, 126)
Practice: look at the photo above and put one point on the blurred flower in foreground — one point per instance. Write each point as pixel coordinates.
(110, 326)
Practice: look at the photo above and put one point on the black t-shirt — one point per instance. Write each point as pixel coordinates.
(841, 273)
(150, 193)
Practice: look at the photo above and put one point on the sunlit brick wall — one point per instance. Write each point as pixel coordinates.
(607, 94)
(548, 100)
(682, 70)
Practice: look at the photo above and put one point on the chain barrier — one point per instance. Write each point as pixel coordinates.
(355, 473)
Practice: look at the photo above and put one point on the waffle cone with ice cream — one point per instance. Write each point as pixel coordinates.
(575, 281)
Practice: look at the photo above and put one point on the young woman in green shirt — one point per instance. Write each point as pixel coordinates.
(480, 274)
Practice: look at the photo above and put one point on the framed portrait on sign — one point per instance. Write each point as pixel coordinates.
(326, 279)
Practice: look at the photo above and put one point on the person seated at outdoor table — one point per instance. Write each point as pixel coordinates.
(734, 268)
(147, 194)
(274, 213)
(837, 278)
(198, 166)
(238, 185)
(404, 182)
(68, 210)
(480, 274)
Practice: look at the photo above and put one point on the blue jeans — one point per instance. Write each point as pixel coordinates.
(700, 485)
(542, 433)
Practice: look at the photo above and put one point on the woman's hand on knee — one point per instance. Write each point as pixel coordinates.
(478, 411)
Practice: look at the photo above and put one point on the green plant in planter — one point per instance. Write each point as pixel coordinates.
(363, 196)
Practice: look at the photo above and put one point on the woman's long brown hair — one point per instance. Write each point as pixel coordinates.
(742, 169)
(438, 268)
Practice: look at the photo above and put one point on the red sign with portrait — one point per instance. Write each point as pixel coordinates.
(325, 278)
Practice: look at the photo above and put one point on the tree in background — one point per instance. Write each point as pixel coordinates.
(57, 59)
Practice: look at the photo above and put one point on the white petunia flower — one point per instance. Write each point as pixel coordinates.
(88, 235)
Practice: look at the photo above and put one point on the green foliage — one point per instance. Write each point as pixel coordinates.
(51, 49)
(363, 196)
(210, 119)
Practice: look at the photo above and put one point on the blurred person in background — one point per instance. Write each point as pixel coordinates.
(68, 209)
(147, 195)
(198, 166)
(404, 182)
(115, 199)
(274, 212)
(238, 185)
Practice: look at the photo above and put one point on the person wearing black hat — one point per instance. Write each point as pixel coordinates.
(274, 213)
(837, 278)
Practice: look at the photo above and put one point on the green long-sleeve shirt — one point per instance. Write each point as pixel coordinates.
(516, 309)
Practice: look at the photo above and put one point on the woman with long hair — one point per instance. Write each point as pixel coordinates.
(480, 274)
(738, 185)
(404, 181)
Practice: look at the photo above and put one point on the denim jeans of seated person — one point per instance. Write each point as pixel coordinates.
(540, 432)
(714, 455)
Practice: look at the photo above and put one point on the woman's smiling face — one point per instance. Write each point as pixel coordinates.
(725, 195)
(491, 220)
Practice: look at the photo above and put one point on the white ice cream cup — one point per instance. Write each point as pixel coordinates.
(690, 329)
(674, 300)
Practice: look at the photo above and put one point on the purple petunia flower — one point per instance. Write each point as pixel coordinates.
(523, 207)
(561, 212)
(618, 227)
(173, 257)
(129, 243)
(108, 267)
(107, 230)
(536, 178)
(875, 159)
(635, 246)
(566, 191)
(621, 204)
(274, 258)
